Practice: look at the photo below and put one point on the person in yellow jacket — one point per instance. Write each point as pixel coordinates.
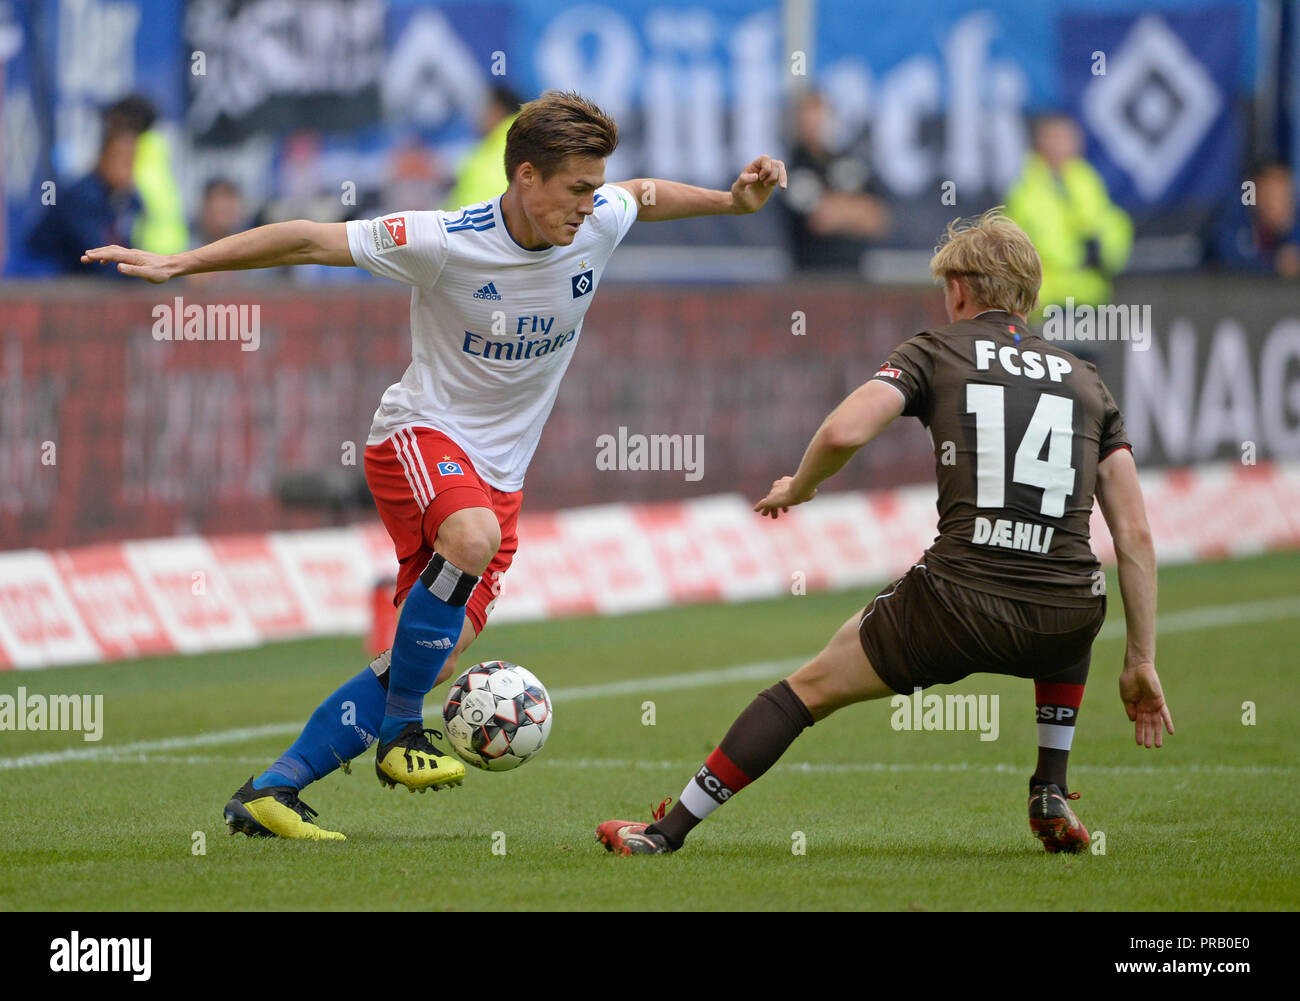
(1061, 202)
(481, 176)
(160, 227)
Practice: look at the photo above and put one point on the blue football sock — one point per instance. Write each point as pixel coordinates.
(427, 632)
(343, 726)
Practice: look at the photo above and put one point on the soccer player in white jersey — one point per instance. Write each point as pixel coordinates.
(499, 291)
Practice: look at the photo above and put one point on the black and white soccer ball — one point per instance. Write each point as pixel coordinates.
(497, 715)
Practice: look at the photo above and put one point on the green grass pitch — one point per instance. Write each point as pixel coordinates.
(889, 820)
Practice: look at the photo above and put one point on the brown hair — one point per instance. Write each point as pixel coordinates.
(994, 257)
(556, 126)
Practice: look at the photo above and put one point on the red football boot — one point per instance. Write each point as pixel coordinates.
(1053, 822)
(627, 837)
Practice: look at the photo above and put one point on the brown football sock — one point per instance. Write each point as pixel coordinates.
(755, 741)
(1058, 698)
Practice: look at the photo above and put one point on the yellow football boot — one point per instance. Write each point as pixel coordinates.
(275, 811)
(411, 759)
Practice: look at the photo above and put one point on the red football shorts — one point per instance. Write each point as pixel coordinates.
(418, 478)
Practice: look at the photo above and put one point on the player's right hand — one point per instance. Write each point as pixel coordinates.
(1139, 687)
(782, 497)
(156, 268)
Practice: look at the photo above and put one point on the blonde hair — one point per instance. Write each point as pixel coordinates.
(994, 257)
(556, 126)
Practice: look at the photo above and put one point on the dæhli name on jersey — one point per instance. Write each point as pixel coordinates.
(1008, 534)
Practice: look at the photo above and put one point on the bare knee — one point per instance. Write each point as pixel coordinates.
(820, 690)
(469, 538)
(839, 676)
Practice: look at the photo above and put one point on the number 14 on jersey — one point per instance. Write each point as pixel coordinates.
(1052, 422)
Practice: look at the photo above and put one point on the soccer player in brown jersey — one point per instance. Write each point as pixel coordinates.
(1025, 434)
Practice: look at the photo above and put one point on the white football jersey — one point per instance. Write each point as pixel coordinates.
(493, 325)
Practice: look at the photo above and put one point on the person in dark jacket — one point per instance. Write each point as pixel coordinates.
(98, 210)
(1264, 236)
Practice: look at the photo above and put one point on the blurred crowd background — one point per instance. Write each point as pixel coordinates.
(1120, 134)
(1147, 146)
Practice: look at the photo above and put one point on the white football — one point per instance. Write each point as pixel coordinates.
(497, 715)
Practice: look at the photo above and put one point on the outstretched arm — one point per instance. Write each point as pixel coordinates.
(298, 242)
(867, 411)
(658, 200)
(1122, 506)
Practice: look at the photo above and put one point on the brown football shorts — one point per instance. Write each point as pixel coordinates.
(924, 630)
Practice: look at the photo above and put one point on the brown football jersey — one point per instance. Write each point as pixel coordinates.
(1018, 426)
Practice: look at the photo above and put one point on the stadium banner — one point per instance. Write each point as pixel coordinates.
(61, 63)
(1164, 114)
(292, 98)
(1157, 87)
(295, 68)
(190, 595)
(110, 431)
(1215, 374)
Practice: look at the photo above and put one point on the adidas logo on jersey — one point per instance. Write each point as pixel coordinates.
(488, 291)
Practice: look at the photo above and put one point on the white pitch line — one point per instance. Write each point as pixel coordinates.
(145, 758)
(237, 736)
(1209, 617)
(1215, 617)
(843, 767)
(675, 682)
(803, 767)
(560, 696)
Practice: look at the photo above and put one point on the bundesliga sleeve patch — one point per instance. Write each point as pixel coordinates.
(893, 373)
(388, 234)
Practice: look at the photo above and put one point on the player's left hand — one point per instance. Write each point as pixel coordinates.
(756, 183)
(1144, 701)
(153, 268)
(782, 497)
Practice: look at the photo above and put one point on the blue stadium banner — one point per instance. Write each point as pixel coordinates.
(61, 62)
(929, 92)
(1161, 108)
